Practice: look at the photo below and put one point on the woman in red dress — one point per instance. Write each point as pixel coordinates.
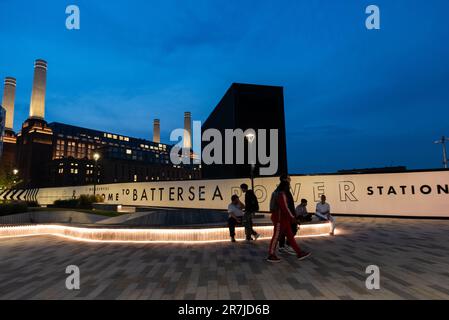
(282, 219)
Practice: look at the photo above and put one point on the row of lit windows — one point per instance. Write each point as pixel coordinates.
(76, 150)
(75, 171)
(84, 138)
(161, 147)
(74, 164)
(115, 137)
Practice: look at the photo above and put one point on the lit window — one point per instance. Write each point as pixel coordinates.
(128, 151)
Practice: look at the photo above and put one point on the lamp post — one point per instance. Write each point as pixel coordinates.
(15, 172)
(96, 158)
(442, 141)
(250, 137)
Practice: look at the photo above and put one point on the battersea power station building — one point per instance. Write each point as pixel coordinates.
(54, 154)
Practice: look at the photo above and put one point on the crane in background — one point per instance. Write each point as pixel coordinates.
(442, 141)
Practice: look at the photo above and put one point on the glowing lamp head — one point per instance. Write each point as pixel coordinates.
(96, 156)
(15, 171)
(250, 137)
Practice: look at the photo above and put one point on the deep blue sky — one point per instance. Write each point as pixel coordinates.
(353, 97)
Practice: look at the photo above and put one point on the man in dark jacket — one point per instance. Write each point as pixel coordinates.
(251, 207)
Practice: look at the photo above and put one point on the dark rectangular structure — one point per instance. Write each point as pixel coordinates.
(248, 106)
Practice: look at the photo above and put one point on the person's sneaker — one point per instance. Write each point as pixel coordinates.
(273, 258)
(290, 251)
(304, 255)
(282, 250)
(256, 236)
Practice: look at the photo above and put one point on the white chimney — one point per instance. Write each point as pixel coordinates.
(187, 130)
(37, 105)
(9, 95)
(156, 131)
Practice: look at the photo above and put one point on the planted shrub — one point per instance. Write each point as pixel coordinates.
(83, 202)
(13, 207)
(69, 204)
(32, 204)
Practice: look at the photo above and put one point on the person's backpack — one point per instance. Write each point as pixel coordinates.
(274, 201)
(254, 202)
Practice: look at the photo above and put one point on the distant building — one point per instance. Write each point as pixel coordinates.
(122, 158)
(56, 154)
(2, 127)
(395, 169)
(8, 157)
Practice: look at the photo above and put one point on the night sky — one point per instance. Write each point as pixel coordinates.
(354, 98)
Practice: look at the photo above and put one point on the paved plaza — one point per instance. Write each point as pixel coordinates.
(413, 257)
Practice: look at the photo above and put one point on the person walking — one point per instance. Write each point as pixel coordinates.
(284, 246)
(251, 207)
(282, 218)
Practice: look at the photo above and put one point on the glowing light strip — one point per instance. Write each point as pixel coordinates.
(151, 235)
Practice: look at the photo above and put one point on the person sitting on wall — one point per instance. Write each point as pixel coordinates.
(323, 212)
(301, 212)
(235, 215)
(251, 207)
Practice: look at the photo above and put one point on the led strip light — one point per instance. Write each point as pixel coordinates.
(151, 235)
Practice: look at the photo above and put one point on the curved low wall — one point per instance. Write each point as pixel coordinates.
(157, 217)
(151, 235)
(166, 218)
(63, 216)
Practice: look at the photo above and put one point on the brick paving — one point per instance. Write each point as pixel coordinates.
(413, 257)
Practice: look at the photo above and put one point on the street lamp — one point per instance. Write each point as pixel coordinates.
(250, 137)
(96, 158)
(442, 141)
(15, 172)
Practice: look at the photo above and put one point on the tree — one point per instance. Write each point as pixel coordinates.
(8, 179)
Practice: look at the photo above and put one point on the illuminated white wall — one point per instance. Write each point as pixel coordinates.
(408, 194)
